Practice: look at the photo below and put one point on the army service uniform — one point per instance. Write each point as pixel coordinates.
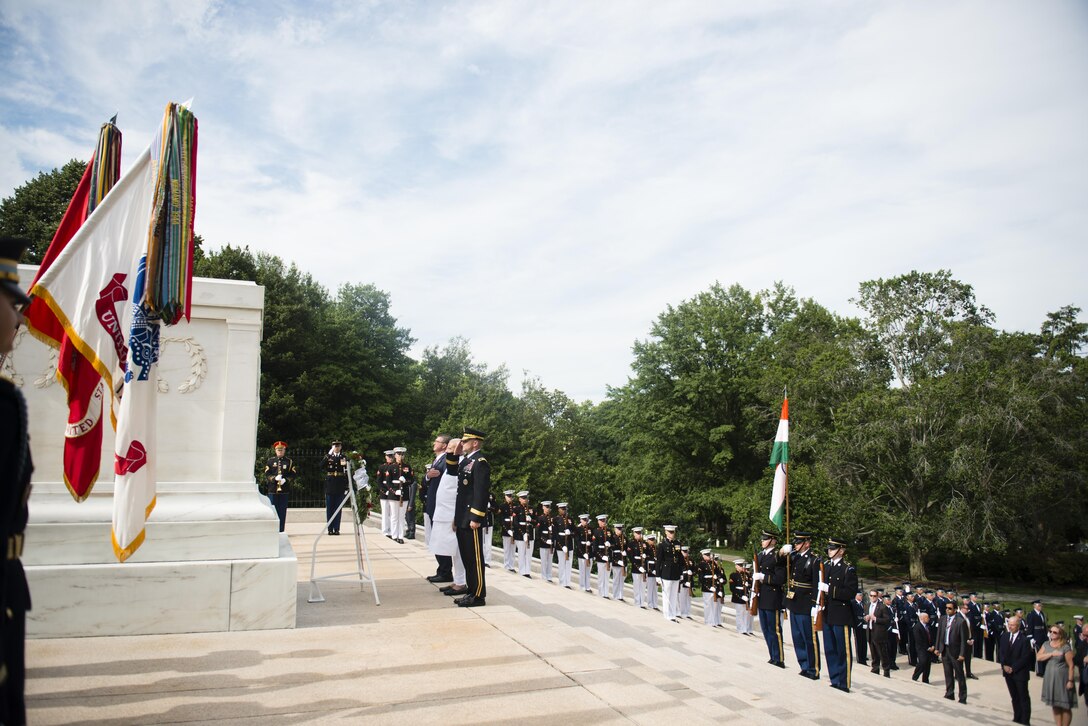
(279, 472)
(840, 585)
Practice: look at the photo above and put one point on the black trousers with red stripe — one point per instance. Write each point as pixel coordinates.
(470, 545)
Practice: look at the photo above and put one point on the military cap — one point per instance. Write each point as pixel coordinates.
(399, 450)
(523, 494)
(636, 529)
(833, 543)
(899, 588)
(472, 434)
(389, 453)
(1036, 602)
(1078, 617)
(11, 251)
(602, 516)
(798, 536)
(669, 527)
(707, 551)
(279, 444)
(618, 525)
(337, 442)
(684, 548)
(546, 503)
(508, 492)
(768, 535)
(562, 505)
(651, 535)
(739, 562)
(583, 516)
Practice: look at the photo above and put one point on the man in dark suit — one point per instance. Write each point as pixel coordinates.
(1015, 656)
(924, 647)
(952, 640)
(427, 493)
(473, 490)
(861, 630)
(879, 618)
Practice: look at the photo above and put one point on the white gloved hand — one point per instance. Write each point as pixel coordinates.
(402, 480)
(399, 492)
(548, 542)
(524, 538)
(642, 569)
(814, 611)
(824, 587)
(758, 577)
(744, 598)
(786, 549)
(331, 452)
(279, 478)
(607, 543)
(564, 548)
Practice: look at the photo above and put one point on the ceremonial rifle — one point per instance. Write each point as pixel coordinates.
(753, 601)
(818, 623)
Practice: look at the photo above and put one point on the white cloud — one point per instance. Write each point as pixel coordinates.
(584, 165)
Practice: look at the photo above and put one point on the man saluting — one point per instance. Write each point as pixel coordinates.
(473, 488)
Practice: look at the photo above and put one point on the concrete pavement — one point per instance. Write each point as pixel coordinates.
(535, 653)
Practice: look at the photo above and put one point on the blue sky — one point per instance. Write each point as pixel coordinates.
(545, 178)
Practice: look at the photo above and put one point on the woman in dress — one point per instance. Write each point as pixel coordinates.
(1058, 691)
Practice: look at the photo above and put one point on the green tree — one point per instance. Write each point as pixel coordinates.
(33, 212)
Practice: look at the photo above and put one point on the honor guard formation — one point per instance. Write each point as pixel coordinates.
(812, 592)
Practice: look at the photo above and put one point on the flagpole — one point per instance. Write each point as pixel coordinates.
(786, 471)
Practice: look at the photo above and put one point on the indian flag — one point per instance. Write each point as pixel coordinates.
(780, 456)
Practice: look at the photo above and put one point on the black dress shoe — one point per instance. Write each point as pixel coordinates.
(914, 677)
(972, 676)
(950, 697)
(837, 687)
(963, 701)
(398, 540)
(780, 664)
(472, 602)
(461, 599)
(452, 592)
(529, 576)
(887, 674)
(875, 670)
(388, 536)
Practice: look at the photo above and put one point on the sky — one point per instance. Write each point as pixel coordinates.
(545, 179)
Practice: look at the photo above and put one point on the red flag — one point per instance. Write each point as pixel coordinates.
(86, 393)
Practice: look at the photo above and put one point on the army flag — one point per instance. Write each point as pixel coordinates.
(779, 459)
(119, 277)
(83, 384)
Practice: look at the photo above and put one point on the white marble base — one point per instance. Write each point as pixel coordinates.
(165, 597)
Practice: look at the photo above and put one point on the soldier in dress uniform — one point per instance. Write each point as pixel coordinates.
(897, 634)
(740, 584)
(545, 537)
(279, 472)
(486, 537)
(995, 626)
(636, 555)
(687, 584)
(524, 533)
(704, 571)
(804, 578)
(906, 627)
(17, 466)
(335, 465)
(769, 577)
(1035, 626)
(651, 571)
(602, 555)
(506, 517)
(403, 480)
(583, 547)
(564, 543)
(619, 561)
(670, 569)
(473, 489)
(384, 478)
(839, 588)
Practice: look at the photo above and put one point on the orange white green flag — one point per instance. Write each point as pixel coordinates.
(779, 459)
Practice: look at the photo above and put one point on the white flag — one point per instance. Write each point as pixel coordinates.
(91, 288)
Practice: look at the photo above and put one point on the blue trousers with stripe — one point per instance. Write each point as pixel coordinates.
(806, 645)
(837, 650)
(770, 622)
(470, 545)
